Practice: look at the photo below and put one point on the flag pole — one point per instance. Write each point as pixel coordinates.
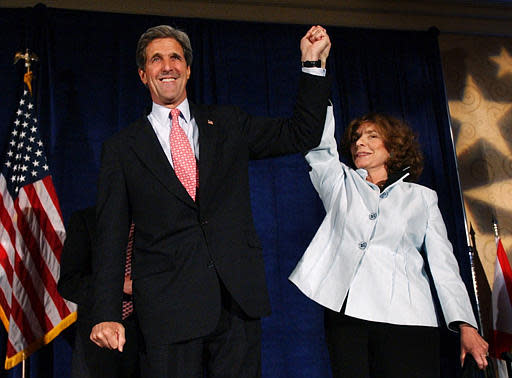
(29, 57)
(471, 250)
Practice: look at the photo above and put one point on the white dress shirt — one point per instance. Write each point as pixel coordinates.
(161, 122)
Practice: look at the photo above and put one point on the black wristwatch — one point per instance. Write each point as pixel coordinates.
(312, 63)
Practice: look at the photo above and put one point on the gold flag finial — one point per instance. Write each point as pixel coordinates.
(29, 57)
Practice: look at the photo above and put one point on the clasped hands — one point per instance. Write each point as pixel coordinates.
(315, 45)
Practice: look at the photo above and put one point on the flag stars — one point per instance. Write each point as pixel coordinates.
(25, 159)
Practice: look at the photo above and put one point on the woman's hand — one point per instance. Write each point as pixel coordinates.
(471, 342)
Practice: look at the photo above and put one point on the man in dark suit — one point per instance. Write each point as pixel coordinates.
(198, 274)
(90, 361)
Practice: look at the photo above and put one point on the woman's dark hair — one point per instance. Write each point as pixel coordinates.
(399, 139)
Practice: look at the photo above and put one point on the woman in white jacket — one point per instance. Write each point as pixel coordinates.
(365, 263)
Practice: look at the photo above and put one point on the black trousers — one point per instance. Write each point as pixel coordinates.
(364, 349)
(232, 350)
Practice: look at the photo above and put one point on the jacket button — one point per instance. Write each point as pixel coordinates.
(383, 195)
(362, 245)
(373, 216)
(204, 222)
(211, 264)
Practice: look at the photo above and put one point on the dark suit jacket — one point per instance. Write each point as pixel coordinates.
(182, 247)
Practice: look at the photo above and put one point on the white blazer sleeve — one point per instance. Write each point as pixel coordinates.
(325, 163)
(450, 288)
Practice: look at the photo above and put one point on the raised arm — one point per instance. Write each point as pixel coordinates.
(326, 168)
(302, 131)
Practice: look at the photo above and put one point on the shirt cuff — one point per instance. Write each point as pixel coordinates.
(314, 71)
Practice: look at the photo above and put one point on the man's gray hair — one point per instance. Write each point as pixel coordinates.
(162, 31)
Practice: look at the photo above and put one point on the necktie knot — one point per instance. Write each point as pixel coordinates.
(175, 113)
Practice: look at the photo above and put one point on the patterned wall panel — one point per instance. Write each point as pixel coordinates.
(478, 76)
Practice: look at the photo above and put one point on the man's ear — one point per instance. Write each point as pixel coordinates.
(143, 77)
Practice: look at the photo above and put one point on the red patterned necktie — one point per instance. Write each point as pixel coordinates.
(128, 305)
(183, 158)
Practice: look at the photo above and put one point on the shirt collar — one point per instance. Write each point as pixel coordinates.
(161, 113)
(392, 178)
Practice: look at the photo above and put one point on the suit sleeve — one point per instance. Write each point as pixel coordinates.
(450, 288)
(112, 228)
(301, 132)
(75, 266)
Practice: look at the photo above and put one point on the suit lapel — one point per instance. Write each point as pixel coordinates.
(210, 139)
(146, 146)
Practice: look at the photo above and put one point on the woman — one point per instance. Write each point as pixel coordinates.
(365, 263)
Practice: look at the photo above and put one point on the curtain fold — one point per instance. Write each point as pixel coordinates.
(88, 89)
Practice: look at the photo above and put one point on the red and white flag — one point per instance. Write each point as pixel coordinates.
(501, 304)
(31, 237)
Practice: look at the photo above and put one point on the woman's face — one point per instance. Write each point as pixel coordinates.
(368, 150)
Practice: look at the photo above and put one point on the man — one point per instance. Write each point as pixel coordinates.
(198, 275)
(75, 285)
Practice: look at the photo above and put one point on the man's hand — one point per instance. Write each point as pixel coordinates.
(108, 335)
(315, 45)
(472, 342)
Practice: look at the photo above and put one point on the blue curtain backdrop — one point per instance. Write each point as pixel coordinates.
(88, 88)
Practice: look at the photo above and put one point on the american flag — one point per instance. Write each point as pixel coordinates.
(31, 237)
(501, 304)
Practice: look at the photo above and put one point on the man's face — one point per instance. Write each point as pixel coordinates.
(166, 72)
